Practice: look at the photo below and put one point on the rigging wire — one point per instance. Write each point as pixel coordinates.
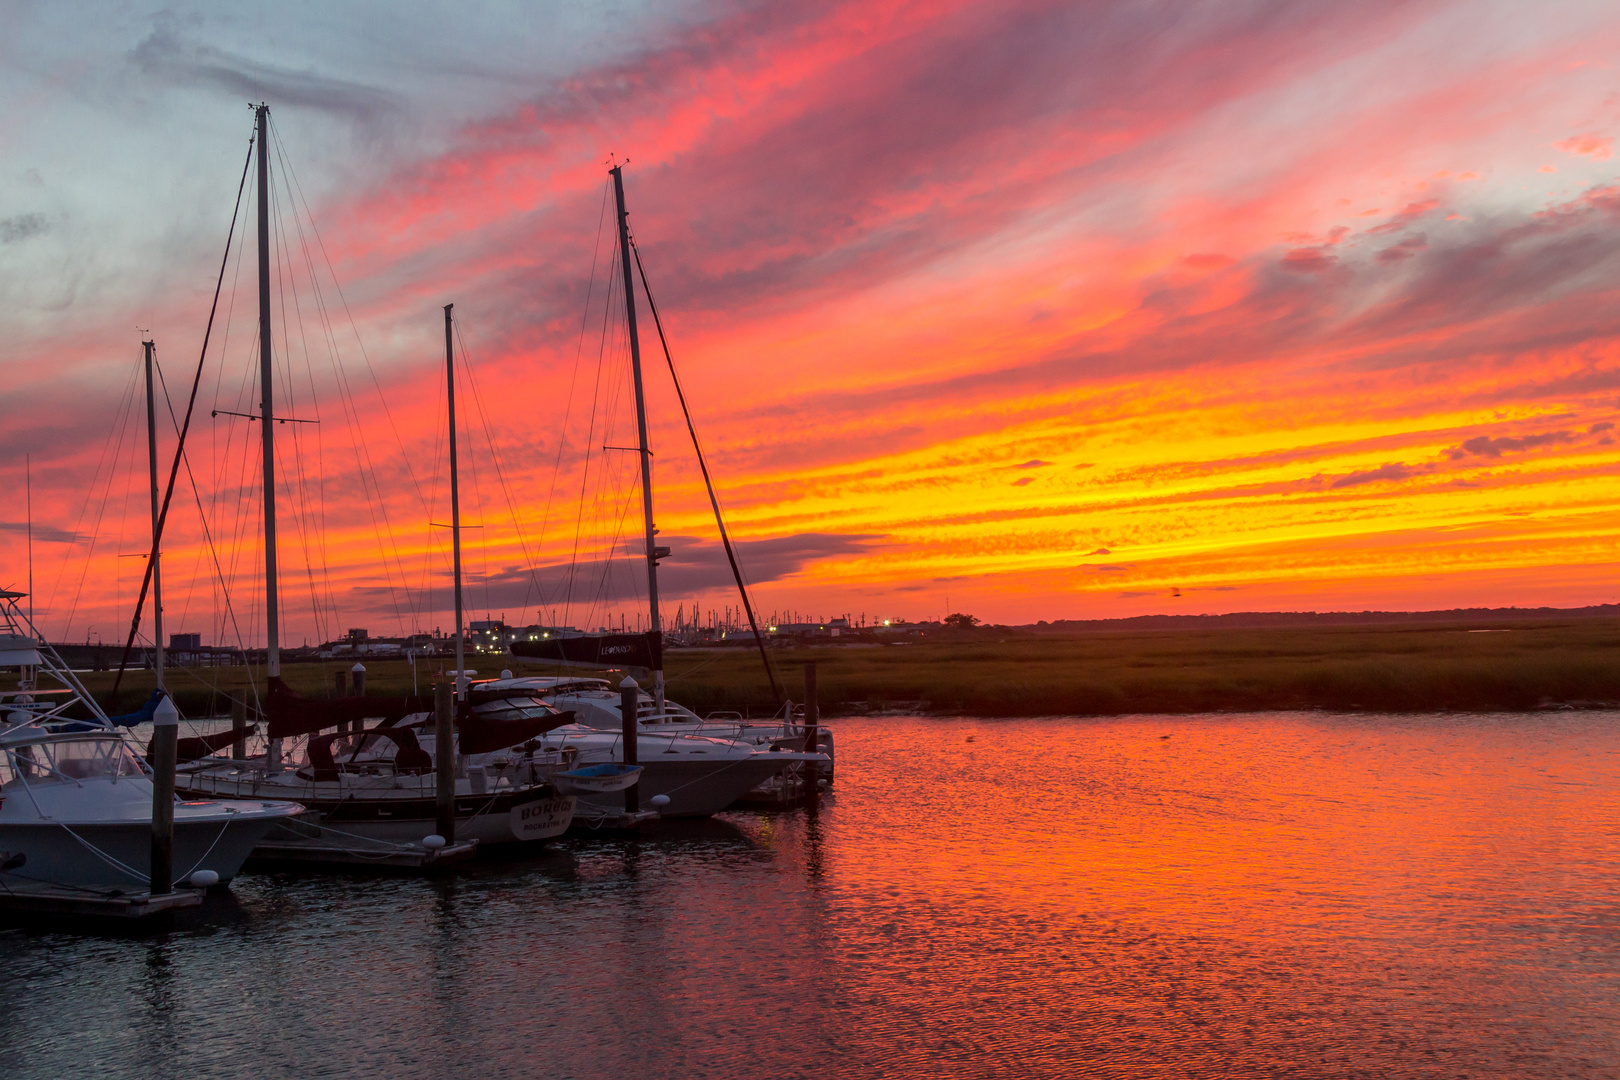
(111, 453)
(208, 536)
(381, 525)
(163, 515)
(590, 431)
(568, 408)
(714, 499)
(500, 472)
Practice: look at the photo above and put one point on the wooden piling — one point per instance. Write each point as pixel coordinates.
(444, 759)
(239, 725)
(629, 703)
(165, 739)
(341, 679)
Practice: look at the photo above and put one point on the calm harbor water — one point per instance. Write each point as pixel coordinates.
(1278, 894)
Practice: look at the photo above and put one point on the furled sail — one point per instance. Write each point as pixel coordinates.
(606, 650)
(291, 715)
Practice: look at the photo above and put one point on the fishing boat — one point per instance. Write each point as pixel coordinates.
(76, 803)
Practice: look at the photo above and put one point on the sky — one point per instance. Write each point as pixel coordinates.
(1031, 311)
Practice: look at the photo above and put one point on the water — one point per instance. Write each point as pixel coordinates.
(1287, 895)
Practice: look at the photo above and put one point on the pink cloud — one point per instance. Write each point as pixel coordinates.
(1592, 145)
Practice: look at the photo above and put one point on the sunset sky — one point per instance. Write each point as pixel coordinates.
(1038, 311)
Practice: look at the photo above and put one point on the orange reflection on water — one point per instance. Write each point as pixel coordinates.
(1227, 895)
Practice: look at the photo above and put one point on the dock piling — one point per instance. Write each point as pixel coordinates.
(239, 725)
(629, 702)
(444, 760)
(165, 739)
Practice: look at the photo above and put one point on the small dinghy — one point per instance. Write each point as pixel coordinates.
(597, 779)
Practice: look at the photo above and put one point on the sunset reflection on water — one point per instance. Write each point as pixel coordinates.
(1287, 894)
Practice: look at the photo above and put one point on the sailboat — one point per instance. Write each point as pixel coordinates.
(674, 735)
(369, 805)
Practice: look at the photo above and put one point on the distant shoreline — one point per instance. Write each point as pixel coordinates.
(1418, 667)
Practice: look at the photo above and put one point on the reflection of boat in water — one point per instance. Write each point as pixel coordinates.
(76, 804)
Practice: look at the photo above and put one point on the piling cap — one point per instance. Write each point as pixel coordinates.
(359, 668)
(166, 715)
(629, 684)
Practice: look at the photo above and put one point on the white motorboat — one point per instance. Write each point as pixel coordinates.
(595, 703)
(76, 814)
(76, 803)
(699, 775)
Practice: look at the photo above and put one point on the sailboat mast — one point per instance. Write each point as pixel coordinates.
(266, 397)
(455, 497)
(646, 452)
(157, 570)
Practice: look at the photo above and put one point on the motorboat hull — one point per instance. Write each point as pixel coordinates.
(402, 814)
(116, 855)
(697, 788)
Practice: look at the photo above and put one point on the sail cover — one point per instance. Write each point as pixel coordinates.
(483, 733)
(290, 715)
(607, 650)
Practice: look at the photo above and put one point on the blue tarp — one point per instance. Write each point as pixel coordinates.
(143, 715)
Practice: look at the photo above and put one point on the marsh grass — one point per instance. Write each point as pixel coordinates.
(991, 673)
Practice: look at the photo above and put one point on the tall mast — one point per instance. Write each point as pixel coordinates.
(272, 621)
(266, 411)
(157, 571)
(455, 498)
(646, 453)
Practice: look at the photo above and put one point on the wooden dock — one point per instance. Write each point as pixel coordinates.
(348, 853)
(44, 901)
(299, 843)
(587, 818)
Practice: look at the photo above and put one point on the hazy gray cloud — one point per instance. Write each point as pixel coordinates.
(48, 534)
(695, 566)
(22, 227)
(166, 54)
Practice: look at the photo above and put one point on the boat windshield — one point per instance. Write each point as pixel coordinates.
(95, 757)
(517, 708)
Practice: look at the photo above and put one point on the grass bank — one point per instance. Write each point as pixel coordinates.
(990, 673)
